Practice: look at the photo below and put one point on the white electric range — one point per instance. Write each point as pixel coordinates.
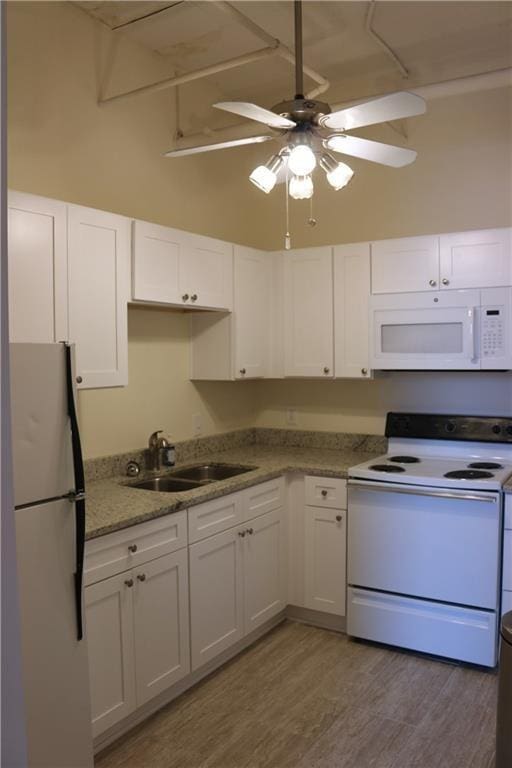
(425, 536)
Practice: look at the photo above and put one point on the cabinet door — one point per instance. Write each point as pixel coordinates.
(207, 273)
(252, 307)
(479, 259)
(37, 269)
(264, 568)
(162, 654)
(308, 313)
(98, 270)
(158, 254)
(325, 560)
(216, 595)
(109, 628)
(404, 265)
(351, 299)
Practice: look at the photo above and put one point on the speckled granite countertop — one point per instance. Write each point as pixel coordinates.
(112, 504)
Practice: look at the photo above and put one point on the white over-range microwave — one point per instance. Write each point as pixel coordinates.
(442, 330)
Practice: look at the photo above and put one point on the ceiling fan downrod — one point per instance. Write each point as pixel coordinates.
(299, 75)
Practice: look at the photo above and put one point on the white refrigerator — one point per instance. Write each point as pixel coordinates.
(50, 528)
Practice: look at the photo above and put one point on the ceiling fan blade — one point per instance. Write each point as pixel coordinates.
(371, 150)
(253, 112)
(381, 110)
(218, 145)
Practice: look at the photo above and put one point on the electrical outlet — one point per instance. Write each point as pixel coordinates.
(197, 426)
(291, 417)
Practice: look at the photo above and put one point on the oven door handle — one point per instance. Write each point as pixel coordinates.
(420, 492)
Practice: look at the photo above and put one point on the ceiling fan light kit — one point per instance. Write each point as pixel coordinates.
(308, 127)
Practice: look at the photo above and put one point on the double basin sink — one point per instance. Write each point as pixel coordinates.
(191, 477)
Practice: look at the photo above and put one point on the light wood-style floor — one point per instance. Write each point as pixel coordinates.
(307, 698)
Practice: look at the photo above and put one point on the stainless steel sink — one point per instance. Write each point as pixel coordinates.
(166, 484)
(190, 477)
(209, 472)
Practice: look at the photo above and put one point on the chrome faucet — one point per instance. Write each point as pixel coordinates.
(156, 445)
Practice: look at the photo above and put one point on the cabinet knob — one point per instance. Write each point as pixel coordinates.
(243, 371)
(364, 371)
(339, 518)
(326, 369)
(193, 297)
(250, 531)
(129, 582)
(132, 548)
(324, 493)
(185, 297)
(445, 281)
(141, 576)
(79, 379)
(241, 534)
(432, 283)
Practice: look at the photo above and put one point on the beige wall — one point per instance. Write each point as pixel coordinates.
(61, 144)
(361, 406)
(159, 394)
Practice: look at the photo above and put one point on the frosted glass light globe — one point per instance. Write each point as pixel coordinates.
(263, 178)
(301, 187)
(302, 160)
(340, 176)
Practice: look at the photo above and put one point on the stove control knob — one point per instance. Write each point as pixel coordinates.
(496, 429)
(450, 426)
(509, 430)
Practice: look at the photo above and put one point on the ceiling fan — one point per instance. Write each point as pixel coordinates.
(308, 129)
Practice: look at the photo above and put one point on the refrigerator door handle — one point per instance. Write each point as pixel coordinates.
(78, 494)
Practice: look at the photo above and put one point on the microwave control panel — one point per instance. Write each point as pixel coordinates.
(493, 332)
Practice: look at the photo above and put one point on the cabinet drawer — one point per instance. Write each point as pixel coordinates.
(507, 560)
(326, 492)
(214, 516)
(508, 510)
(116, 552)
(263, 498)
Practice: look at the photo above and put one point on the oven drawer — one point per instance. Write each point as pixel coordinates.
(443, 630)
(424, 542)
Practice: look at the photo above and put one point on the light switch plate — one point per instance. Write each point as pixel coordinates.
(292, 417)
(197, 426)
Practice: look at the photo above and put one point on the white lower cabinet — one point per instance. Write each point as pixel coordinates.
(138, 636)
(264, 568)
(110, 642)
(325, 544)
(325, 559)
(506, 595)
(237, 582)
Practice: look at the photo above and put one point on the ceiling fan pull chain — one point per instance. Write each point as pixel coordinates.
(287, 238)
(311, 220)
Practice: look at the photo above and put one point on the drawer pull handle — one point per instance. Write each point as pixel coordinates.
(141, 576)
(241, 534)
(324, 493)
(339, 518)
(129, 582)
(185, 297)
(194, 297)
(250, 531)
(132, 548)
(79, 379)
(326, 369)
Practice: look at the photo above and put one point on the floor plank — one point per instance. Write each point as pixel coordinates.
(304, 697)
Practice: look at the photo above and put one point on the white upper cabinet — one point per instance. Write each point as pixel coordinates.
(37, 253)
(237, 345)
(158, 253)
(179, 268)
(479, 259)
(308, 313)
(98, 285)
(252, 312)
(351, 294)
(405, 265)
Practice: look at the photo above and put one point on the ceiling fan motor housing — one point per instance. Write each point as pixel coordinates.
(302, 110)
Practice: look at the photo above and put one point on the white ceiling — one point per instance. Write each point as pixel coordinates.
(434, 40)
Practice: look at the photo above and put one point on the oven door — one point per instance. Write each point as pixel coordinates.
(424, 542)
(425, 331)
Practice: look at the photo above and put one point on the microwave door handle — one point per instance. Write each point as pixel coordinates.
(472, 333)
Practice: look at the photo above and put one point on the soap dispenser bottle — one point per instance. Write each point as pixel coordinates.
(169, 454)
